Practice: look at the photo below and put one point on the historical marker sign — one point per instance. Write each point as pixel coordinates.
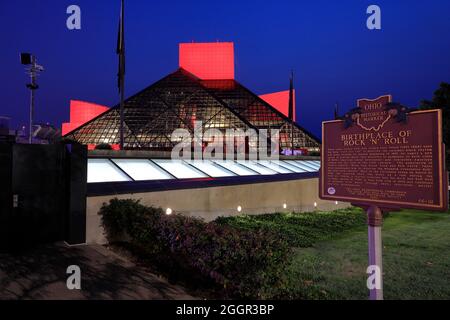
(381, 156)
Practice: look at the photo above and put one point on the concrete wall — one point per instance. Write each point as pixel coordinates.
(210, 203)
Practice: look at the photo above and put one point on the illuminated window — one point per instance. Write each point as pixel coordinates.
(236, 168)
(211, 169)
(291, 167)
(275, 166)
(317, 163)
(142, 169)
(256, 167)
(308, 164)
(299, 165)
(180, 169)
(102, 170)
(314, 164)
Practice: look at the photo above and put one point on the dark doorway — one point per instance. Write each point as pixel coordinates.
(43, 195)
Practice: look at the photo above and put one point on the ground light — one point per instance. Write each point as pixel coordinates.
(239, 208)
(284, 205)
(169, 211)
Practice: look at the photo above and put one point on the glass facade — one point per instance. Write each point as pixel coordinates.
(253, 165)
(180, 99)
(212, 169)
(103, 170)
(301, 164)
(180, 169)
(237, 168)
(142, 169)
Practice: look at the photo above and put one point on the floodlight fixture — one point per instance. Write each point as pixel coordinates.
(25, 58)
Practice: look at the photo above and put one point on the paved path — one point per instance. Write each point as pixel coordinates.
(41, 274)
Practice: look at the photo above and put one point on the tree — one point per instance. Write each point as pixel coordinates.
(441, 100)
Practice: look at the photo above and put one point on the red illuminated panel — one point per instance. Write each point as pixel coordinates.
(67, 127)
(113, 146)
(80, 113)
(280, 101)
(208, 61)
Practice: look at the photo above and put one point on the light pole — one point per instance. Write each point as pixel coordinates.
(291, 109)
(33, 70)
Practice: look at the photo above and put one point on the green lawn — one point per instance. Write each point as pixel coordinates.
(330, 257)
(416, 261)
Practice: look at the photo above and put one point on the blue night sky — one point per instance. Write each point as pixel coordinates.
(334, 55)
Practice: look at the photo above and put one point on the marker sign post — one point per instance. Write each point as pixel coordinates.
(382, 158)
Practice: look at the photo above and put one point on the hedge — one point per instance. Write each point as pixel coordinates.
(301, 229)
(242, 263)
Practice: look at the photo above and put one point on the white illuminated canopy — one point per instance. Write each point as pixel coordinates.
(236, 168)
(142, 169)
(310, 164)
(300, 165)
(256, 167)
(291, 167)
(180, 169)
(117, 170)
(316, 163)
(211, 169)
(103, 170)
(275, 166)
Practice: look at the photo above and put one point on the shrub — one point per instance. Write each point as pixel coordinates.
(243, 263)
(121, 218)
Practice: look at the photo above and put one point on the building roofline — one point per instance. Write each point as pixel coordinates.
(220, 101)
